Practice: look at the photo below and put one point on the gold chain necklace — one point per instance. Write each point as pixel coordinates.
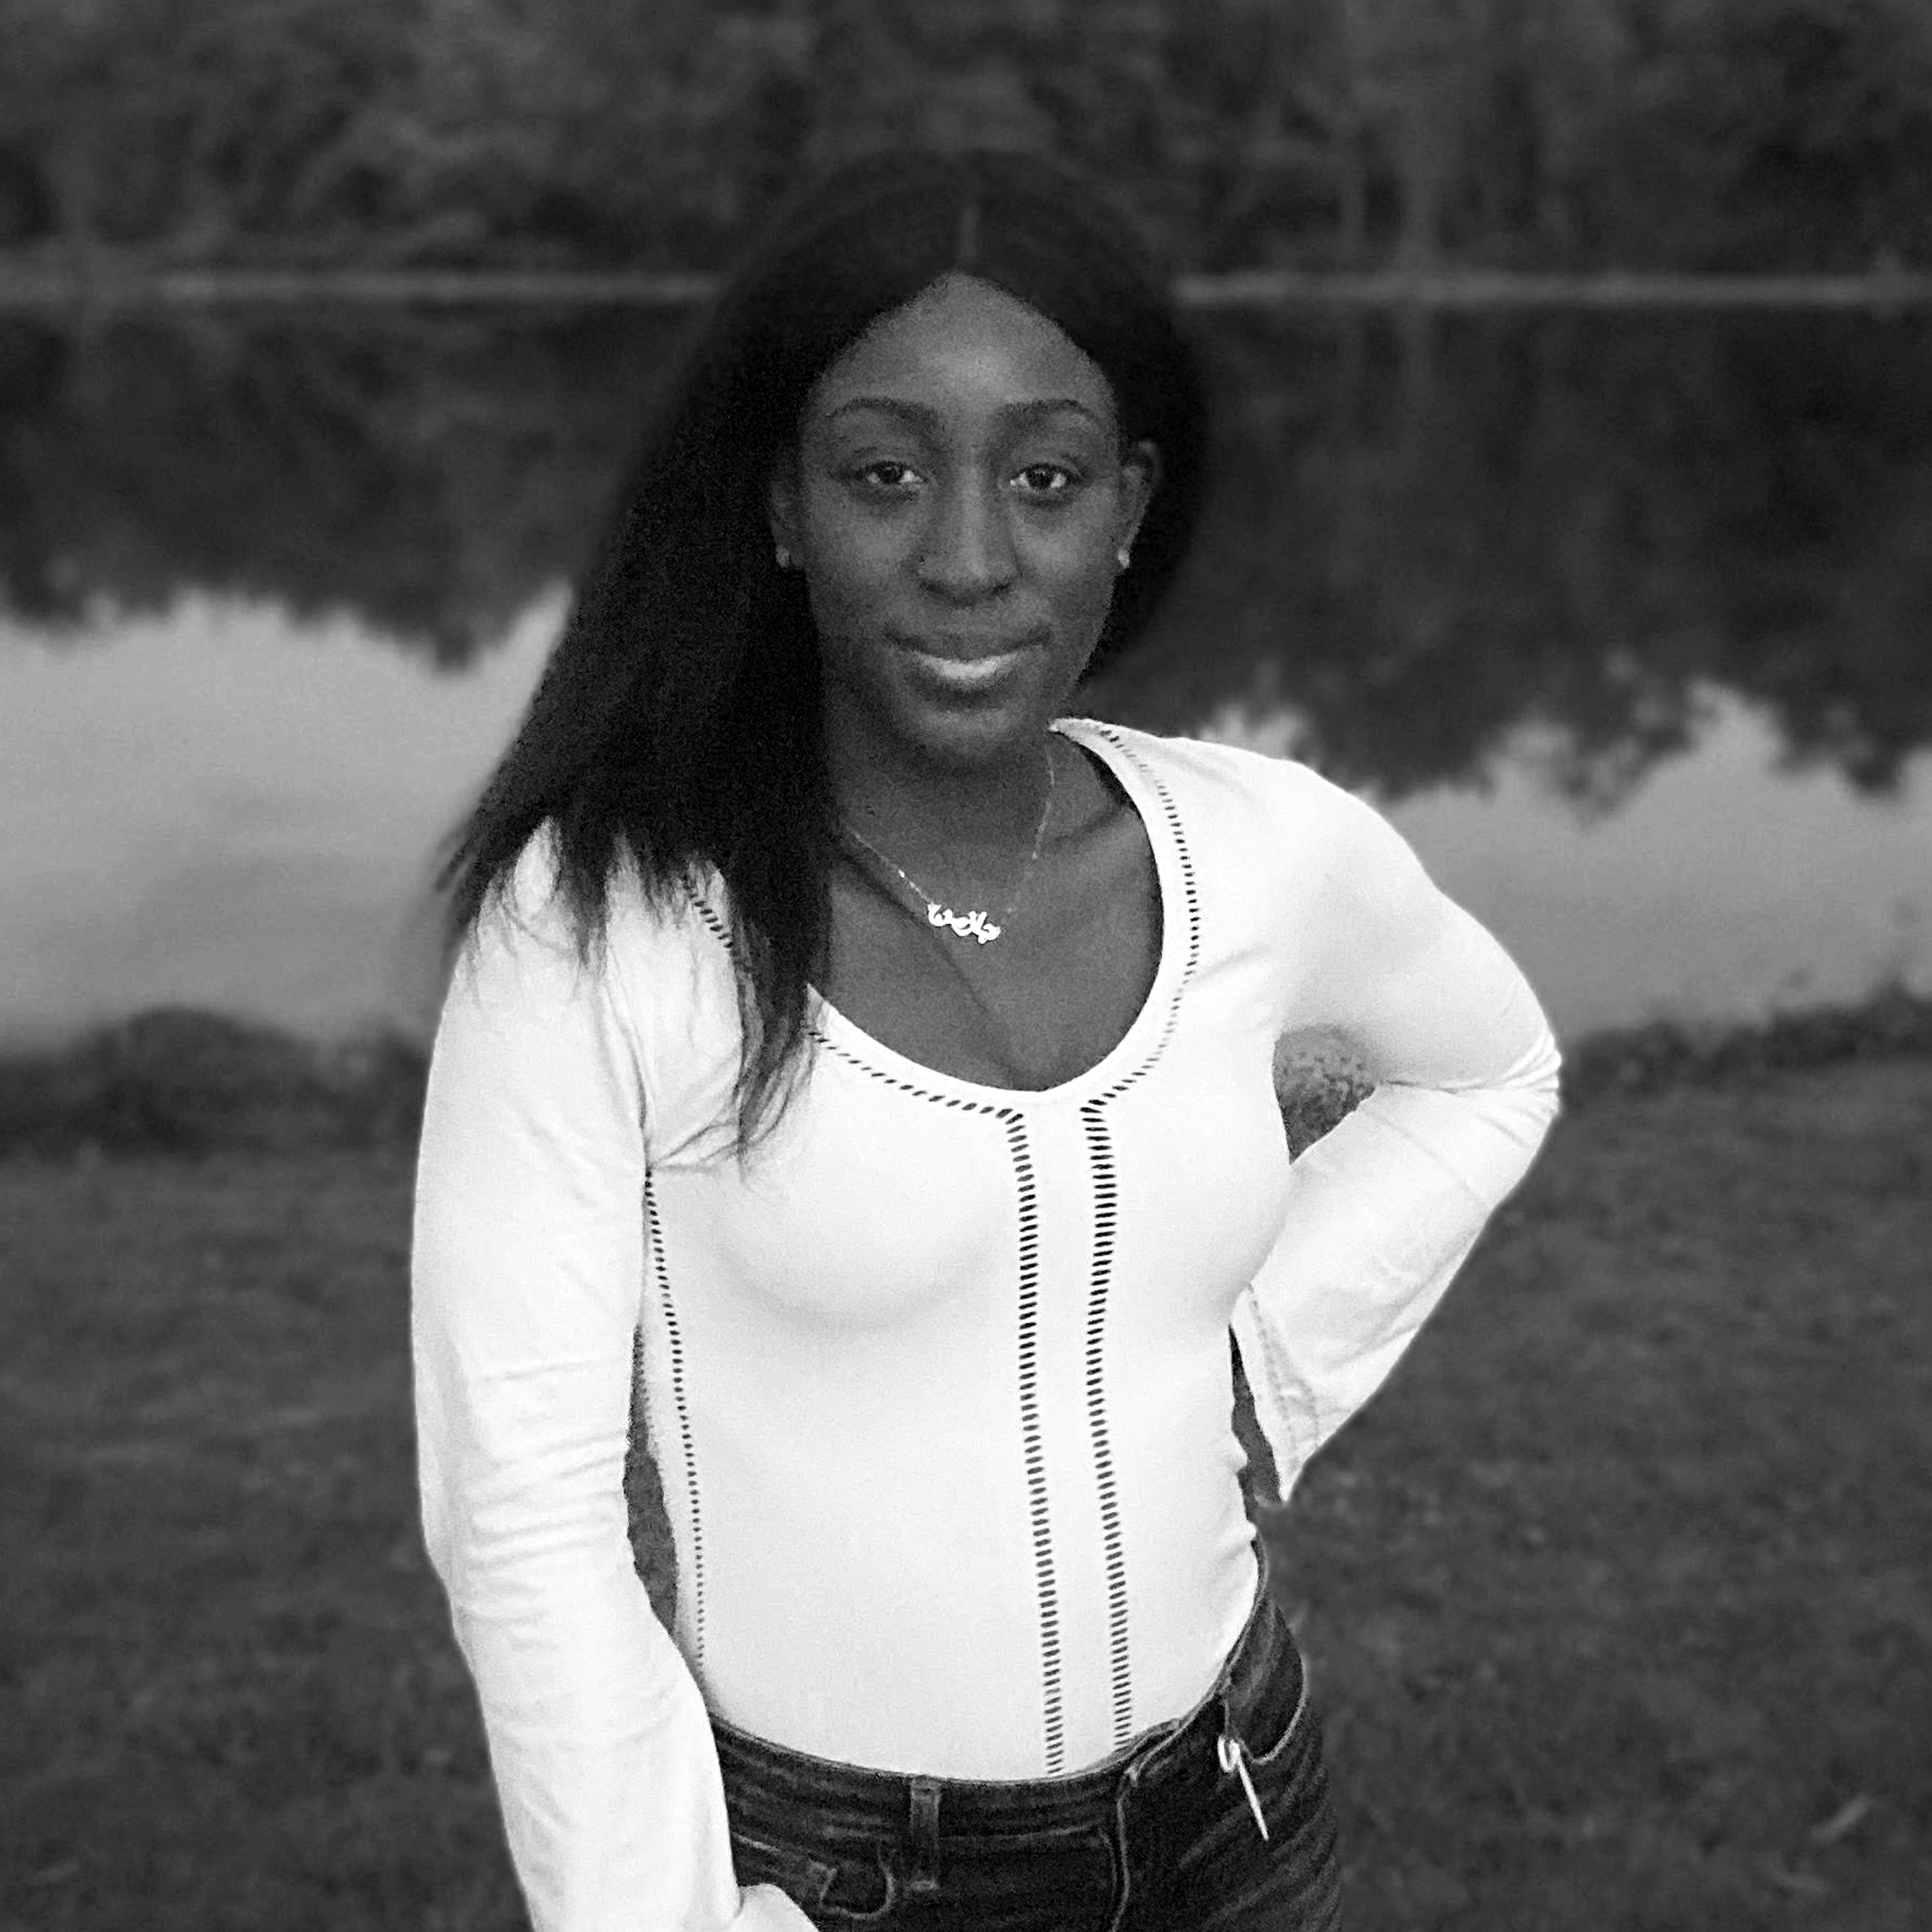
(976, 922)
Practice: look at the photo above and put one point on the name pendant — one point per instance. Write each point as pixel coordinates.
(967, 924)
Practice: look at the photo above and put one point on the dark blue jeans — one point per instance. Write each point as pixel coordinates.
(1165, 1838)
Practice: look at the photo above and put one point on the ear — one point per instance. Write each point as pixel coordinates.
(1140, 477)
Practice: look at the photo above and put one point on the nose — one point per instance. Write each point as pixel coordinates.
(968, 552)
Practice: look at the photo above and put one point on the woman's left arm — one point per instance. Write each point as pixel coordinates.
(1384, 1209)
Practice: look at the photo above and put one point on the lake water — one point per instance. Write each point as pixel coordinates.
(1624, 624)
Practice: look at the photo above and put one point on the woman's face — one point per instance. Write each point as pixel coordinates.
(957, 498)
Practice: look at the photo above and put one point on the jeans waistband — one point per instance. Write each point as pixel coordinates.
(883, 1801)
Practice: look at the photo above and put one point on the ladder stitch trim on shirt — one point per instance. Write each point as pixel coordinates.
(1106, 1215)
(1190, 893)
(680, 1402)
(1034, 1444)
(1106, 1205)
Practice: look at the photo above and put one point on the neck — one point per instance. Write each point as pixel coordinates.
(963, 816)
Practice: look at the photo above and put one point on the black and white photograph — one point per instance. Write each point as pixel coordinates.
(966, 965)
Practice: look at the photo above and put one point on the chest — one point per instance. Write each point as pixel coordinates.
(928, 1219)
(1073, 968)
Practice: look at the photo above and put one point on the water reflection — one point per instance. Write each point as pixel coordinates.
(1579, 598)
(1576, 523)
(1421, 541)
(226, 808)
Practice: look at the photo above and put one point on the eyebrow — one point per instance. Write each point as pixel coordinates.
(921, 417)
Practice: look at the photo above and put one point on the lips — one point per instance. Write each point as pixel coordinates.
(972, 647)
(954, 671)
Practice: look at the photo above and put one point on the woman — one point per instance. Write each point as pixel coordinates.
(884, 1057)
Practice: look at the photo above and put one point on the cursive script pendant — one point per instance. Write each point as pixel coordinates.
(967, 924)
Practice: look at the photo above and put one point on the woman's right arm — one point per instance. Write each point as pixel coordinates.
(526, 1266)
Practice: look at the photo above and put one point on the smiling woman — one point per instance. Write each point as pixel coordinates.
(960, 500)
(914, 1218)
(684, 720)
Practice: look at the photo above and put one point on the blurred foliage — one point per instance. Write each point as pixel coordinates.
(178, 1082)
(1552, 534)
(1737, 133)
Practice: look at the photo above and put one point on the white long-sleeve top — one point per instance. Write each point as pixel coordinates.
(937, 1380)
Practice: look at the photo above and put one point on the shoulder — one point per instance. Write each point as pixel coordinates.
(654, 953)
(1222, 793)
(656, 985)
(531, 911)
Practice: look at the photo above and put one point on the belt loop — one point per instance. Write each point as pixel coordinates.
(923, 1835)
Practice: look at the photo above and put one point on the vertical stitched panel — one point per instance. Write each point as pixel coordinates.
(686, 1445)
(1106, 1220)
(1034, 1445)
(1106, 1204)
(1190, 888)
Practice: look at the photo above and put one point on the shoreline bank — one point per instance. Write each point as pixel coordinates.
(187, 1082)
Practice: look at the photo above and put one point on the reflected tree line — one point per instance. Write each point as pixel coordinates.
(1428, 537)
(1570, 527)
(1734, 134)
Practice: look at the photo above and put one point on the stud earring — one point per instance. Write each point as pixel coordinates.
(784, 556)
(1123, 556)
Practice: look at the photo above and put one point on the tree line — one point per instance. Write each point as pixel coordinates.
(1728, 135)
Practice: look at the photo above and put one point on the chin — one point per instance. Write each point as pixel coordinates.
(960, 732)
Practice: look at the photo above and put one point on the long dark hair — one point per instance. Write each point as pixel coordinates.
(676, 726)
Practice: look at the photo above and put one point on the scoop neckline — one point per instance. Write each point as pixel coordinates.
(1135, 1046)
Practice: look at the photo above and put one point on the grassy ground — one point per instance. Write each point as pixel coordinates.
(1619, 1600)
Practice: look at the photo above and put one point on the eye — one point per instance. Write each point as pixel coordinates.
(887, 477)
(1047, 479)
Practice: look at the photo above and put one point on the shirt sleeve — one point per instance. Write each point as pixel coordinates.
(1384, 1209)
(526, 1264)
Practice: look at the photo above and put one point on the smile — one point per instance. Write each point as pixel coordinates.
(966, 674)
